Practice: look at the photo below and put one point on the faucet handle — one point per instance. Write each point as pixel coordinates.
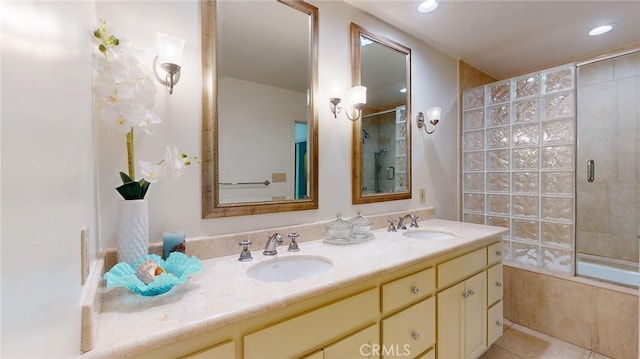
(414, 221)
(293, 245)
(392, 225)
(278, 238)
(245, 255)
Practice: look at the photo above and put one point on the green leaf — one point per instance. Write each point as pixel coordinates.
(97, 34)
(144, 187)
(130, 190)
(125, 178)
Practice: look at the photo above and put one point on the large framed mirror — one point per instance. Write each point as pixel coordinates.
(260, 138)
(381, 146)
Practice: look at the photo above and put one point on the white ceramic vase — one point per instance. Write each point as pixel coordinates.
(133, 230)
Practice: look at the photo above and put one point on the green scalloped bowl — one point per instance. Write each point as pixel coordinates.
(178, 267)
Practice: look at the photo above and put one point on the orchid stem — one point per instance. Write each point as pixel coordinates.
(132, 171)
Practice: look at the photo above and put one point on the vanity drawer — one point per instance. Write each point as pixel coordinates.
(313, 328)
(494, 284)
(408, 289)
(495, 253)
(362, 345)
(225, 350)
(495, 323)
(462, 267)
(412, 330)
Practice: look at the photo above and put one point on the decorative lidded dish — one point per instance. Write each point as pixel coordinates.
(361, 227)
(339, 229)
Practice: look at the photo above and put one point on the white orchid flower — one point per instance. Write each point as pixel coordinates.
(113, 116)
(151, 171)
(148, 120)
(174, 161)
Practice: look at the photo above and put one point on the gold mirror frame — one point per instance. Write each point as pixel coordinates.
(211, 206)
(357, 196)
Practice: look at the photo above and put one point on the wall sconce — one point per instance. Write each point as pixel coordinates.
(356, 97)
(169, 57)
(433, 116)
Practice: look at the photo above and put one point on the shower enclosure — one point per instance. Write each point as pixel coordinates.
(608, 169)
(553, 156)
(383, 157)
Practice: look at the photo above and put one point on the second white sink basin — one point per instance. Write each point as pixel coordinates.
(290, 268)
(429, 234)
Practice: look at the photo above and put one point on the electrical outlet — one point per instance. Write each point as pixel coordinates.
(84, 255)
(423, 195)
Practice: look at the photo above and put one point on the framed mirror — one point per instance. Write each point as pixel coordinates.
(381, 148)
(260, 139)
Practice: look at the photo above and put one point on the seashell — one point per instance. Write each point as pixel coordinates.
(148, 270)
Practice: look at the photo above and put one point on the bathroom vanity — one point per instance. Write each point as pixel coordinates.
(394, 296)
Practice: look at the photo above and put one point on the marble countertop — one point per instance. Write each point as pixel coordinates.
(223, 294)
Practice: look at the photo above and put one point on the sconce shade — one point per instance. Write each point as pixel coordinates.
(357, 96)
(169, 49)
(433, 114)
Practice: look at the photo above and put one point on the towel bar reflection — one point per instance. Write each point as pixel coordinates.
(265, 182)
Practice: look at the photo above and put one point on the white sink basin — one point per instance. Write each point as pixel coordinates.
(289, 268)
(429, 234)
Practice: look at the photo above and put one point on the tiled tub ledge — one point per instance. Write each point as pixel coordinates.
(223, 294)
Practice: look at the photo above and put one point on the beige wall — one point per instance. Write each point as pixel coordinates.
(175, 204)
(48, 181)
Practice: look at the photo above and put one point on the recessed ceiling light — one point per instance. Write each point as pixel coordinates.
(601, 30)
(427, 6)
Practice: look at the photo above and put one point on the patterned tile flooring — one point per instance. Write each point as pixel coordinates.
(519, 342)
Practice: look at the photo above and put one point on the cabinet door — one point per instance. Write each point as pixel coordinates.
(475, 316)
(450, 322)
(363, 344)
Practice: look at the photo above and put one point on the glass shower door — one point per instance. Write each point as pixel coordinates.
(608, 169)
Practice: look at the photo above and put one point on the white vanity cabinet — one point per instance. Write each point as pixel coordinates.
(469, 303)
(447, 305)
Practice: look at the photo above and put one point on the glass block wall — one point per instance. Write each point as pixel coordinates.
(518, 145)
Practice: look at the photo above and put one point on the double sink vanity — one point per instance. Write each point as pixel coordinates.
(432, 291)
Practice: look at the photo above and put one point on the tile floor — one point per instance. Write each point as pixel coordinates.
(518, 342)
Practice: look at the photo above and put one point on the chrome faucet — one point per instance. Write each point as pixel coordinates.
(272, 242)
(403, 220)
